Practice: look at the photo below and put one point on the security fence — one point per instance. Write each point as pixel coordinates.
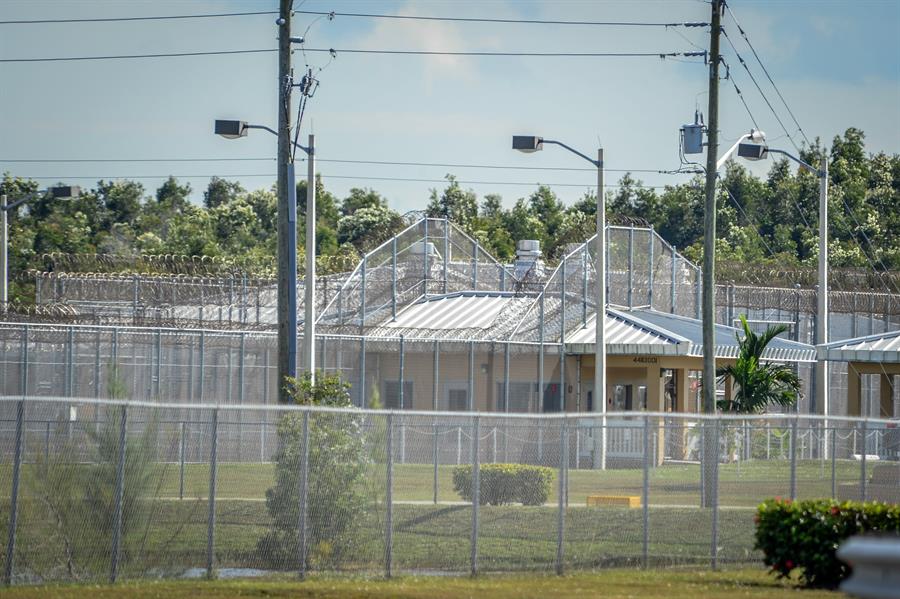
(110, 490)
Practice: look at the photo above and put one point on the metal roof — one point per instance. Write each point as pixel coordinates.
(884, 347)
(456, 311)
(726, 338)
(626, 335)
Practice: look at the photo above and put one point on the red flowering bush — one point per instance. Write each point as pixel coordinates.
(806, 534)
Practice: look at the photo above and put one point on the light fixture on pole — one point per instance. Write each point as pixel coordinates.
(287, 318)
(59, 192)
(531, 143)
(760, 151)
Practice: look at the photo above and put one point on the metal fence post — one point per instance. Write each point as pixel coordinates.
(158, 373)
(651, 269)
(362, 372)
(630, 292)
(561, 499)
(833, 459)
(471, 383)
(434, 460)
(446, 256)
(674, 276)
(506, 378)
(645, 494)
(793, 448)
(389, 500)
(714, 543)
(862, 468)
(202, 366)
(435, 375)
(181, 448)
(394, 278)
(476, 497)
(304, 485)
(14, 497)
(426, 256)
(119, 498)
(402, 364)
(211, 522)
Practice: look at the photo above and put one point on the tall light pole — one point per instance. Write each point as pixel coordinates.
(757, 151)
(60, 192)
(530, 143)
(287, 261)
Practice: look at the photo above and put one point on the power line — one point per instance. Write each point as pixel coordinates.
(132, 56)
(507, 21)
(86, 160)
(338, 161)
(737, 90)
(661, 55)
(759, 89)
(149, 18)
(766, 71)
(326, 176)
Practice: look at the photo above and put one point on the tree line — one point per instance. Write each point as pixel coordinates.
(771, 220)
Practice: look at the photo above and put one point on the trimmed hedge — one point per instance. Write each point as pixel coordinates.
(806, 534)
(502, 484)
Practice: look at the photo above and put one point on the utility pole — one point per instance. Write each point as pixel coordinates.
(710, 449)
(709, 218)
(287, 230)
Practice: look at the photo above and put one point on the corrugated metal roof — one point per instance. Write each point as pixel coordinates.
(625, 336)
(884, 347)
(461, 311)
(726, 338)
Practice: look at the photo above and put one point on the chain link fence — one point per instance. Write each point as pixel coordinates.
(94, 490)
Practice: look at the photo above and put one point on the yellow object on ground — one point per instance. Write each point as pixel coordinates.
(614, 500)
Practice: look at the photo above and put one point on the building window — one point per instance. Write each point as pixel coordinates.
(391, 399)
(457, 400)
(521, 396)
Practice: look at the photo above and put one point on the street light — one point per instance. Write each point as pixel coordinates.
(528, 144)
(287, 261)
(760, 151)
(59, 192)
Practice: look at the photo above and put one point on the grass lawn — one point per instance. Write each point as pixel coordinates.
(744, 485)
(617, 583)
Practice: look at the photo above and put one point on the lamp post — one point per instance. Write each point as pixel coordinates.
(287, 263)
(759, 151)
(60, 192)
(528, 144)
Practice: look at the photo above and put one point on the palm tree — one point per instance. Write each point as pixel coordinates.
(758, 384)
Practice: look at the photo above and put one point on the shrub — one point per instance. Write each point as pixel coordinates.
(806, 534)
(502, 484)
(337, 497)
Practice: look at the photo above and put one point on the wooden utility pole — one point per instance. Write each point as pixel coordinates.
(287, 230)
(709, 219)
(709, 457)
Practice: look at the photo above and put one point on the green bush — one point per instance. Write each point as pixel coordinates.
(806, 534)
(337, 497)
(502, 484)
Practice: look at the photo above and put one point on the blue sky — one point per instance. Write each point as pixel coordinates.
(837, 64)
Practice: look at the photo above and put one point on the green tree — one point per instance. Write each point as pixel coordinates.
(454, 203)
(336, 486)
(368, 226)
(758, 384)
(221, 191)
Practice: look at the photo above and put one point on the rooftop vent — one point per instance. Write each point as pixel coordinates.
(529, 261)
(420, 248)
